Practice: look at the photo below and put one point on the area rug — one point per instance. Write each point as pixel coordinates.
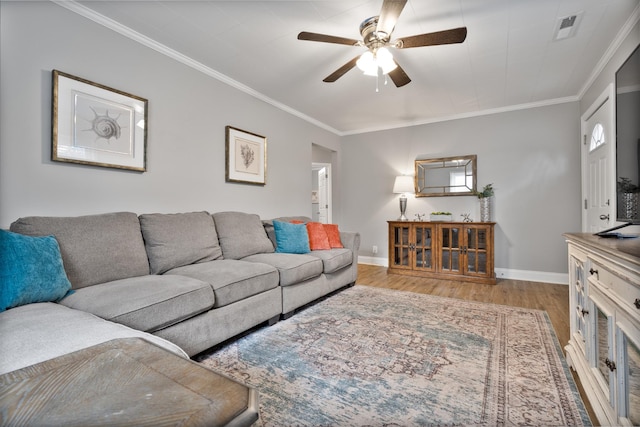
(378, 357)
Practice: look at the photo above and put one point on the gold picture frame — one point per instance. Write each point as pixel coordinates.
(246, 157)
(93, 124)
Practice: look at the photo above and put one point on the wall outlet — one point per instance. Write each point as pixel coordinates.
(374, 249)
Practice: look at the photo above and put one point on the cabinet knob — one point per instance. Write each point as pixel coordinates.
(584, 312)
(592, 271)
(637, 303)
(610, 364)
(604, 217)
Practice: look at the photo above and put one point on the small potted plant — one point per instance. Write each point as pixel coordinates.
(440, 216)
(487, 191)
(629, 199)
(626, 186)
(486, 197)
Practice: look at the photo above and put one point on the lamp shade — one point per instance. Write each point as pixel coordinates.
(403, 184)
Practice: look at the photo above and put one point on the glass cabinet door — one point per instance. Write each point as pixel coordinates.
(450, 248)
(602, 355)
(476, 250)
(628, 342)
(580, 302)
(401, 246)
(423, 247)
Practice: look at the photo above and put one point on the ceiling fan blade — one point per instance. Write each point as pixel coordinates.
(315, 37)
(389, 14)
(399, 77)
(456, 35)
(341, 71)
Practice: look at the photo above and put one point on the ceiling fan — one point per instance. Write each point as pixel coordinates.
(376, 37)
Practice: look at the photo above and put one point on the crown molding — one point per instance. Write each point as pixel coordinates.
(88, 13)
(611, 50)
(84, 11)
(472, 114)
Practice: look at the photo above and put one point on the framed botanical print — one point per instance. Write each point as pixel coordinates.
(246, 157)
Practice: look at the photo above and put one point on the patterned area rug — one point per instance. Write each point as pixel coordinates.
(378, 357)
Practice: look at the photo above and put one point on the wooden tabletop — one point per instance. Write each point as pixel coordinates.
(124, 382)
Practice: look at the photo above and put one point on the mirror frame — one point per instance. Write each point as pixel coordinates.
(419, 167)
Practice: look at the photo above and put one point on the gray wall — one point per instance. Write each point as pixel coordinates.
(188, 112)
(531, 156)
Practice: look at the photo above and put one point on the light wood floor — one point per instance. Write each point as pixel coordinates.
(552, 298)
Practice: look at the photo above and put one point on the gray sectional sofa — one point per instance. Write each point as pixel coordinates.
(185, 281)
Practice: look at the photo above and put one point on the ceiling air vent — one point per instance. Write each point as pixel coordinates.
(567, 26)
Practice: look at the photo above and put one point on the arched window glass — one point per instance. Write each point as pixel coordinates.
(597, 137)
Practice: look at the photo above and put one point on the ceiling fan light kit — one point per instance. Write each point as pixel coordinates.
(376, 35)
(369, 62)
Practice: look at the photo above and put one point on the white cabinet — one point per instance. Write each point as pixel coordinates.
(604, 343)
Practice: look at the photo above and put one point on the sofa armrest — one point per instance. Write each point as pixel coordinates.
(350, 240)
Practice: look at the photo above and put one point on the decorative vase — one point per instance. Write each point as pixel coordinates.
(628, 206)
(486, 209)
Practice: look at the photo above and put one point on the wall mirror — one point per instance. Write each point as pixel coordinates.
(447, 176)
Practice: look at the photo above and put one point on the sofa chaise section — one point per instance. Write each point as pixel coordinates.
(37, 332)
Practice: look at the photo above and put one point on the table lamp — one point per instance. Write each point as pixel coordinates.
(403, 185)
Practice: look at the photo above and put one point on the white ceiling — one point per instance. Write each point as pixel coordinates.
(508, 61)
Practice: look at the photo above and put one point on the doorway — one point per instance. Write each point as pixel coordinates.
(598, 152)
(321, 204)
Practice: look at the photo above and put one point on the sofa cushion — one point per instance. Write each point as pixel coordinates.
(293, 268)
(34, 333)
(291, 238)
(333, 233)
(174, 240)
(334, 259)
(241, 234)
(268, 225)
(31, 270)
(95, 248)
(318, 239)
(231, 280)
(146, 303)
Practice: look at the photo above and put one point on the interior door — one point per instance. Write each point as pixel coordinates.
(598, 171)
(323, 203)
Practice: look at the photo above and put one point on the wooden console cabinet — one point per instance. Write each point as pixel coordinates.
(604, 344)
(442, 250)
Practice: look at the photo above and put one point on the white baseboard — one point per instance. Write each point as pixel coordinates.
(532, 276)
(383, 262)
(501, 273)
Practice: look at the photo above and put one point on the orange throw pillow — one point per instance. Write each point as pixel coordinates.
(334, 235)
(318, 239)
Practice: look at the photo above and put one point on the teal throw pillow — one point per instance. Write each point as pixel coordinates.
(291, 238)
(31, 270)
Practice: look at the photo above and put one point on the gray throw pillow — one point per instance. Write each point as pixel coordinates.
(241, 234)
(175, 240)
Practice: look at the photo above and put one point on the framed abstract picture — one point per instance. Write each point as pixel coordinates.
(96, 125)
(246, 155)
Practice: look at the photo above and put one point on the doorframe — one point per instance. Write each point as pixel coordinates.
(316, 167)
(607, 95)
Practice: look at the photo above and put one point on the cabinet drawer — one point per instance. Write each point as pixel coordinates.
(618, 288)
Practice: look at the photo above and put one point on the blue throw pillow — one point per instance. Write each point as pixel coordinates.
(31, 270)
(291, 238)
